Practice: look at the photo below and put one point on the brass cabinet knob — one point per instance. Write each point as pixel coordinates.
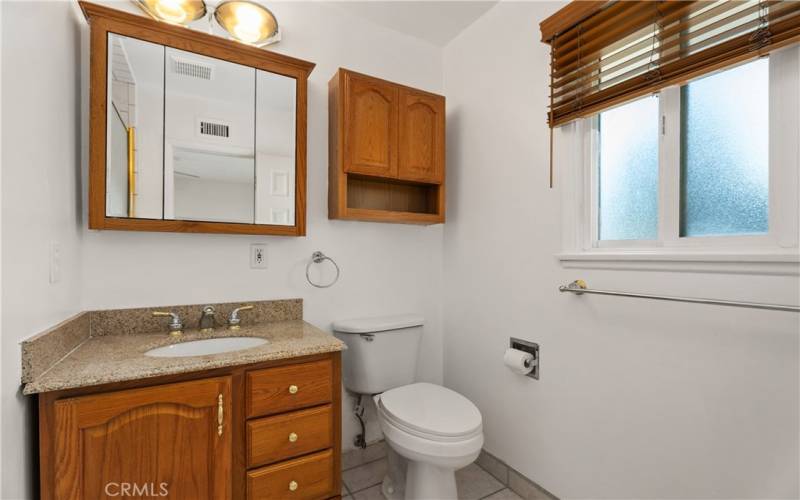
(293, 485)
(292, 437)
(292, 389)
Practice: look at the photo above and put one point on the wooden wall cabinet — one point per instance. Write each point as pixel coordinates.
(386, 151)
(264, 431)
(421, 139)
(370, 127)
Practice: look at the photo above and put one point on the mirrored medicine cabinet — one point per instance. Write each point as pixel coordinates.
(190, 132)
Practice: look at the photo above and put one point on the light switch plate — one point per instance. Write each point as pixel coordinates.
(258, 256)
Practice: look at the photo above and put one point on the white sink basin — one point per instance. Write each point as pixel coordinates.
(205, 347)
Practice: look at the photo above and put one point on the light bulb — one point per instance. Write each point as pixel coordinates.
(249, 23)
(246, 21)
(173, 11)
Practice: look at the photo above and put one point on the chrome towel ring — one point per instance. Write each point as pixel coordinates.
(318, 258)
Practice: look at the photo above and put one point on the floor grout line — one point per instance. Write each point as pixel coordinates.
(492, 493)
(364, 489)
(352, 493)
(365, 463)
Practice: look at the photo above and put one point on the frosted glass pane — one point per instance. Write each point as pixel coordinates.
(725, 152)
(628, 174)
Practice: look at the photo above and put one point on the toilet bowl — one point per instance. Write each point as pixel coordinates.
(431, 431)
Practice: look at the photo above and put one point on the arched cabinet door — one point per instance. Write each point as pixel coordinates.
(370, 133)
(422, 119)
(171, 441)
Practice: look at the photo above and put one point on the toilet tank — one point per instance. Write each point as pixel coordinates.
(381, 352)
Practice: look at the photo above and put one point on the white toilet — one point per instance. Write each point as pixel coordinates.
(431, 431)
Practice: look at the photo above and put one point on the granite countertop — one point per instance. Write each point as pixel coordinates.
(116, 358)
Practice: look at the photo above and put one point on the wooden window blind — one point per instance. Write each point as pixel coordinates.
(607, 52)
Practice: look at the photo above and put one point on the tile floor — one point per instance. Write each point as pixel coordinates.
(363, 471)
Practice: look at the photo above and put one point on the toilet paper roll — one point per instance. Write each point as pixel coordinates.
(519, 361)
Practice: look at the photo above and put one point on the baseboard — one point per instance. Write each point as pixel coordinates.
(513, 479)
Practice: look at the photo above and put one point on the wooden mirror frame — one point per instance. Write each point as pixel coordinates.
(104, 20)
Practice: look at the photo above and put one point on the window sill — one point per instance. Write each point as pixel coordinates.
(786, 263)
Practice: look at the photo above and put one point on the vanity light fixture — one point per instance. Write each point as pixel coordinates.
(174, 11)
(245, 20)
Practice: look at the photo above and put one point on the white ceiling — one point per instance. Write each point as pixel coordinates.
(435, 21)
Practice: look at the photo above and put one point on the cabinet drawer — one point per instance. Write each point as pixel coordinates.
(284, 388)
(309, 477)
(289, 435)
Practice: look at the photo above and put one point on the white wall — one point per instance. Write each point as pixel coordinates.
(637, 399)
(41, 202)
(386, 268)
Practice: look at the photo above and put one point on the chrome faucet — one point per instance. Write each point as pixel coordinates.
(175, 323)
(234, 320)
(207, 322)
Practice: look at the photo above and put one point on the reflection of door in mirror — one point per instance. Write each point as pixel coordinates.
(118, 191)
(275, 148)
(209, 125)
(135, 102)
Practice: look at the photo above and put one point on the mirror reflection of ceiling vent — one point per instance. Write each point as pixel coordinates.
(214, 129)
(193, 69)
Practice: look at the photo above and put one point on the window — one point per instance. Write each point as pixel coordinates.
(707, 167)
(628, 171)
(725, 152)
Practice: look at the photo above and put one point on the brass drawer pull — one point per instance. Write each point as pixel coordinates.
(293, 486)
(219, 415)
(293, 389)
(292, 437)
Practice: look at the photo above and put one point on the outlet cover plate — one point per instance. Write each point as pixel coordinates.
(258, 256)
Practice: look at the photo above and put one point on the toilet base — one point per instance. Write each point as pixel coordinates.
(390, 491)
(426, 481)
(414, 480)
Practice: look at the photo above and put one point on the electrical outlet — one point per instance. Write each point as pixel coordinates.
(55, 262)
(258, 256)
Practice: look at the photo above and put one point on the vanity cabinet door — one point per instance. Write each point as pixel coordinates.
(170, 441)
(370, 130)
(421, 137)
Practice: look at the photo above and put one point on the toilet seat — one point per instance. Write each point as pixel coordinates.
(431, 412)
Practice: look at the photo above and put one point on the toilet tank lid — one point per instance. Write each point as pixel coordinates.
(378, 324)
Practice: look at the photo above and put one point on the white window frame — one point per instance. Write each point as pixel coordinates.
(773, 253)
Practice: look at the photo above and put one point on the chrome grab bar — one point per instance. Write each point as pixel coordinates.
(578, 287)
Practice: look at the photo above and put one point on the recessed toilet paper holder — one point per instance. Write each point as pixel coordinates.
(531, 347)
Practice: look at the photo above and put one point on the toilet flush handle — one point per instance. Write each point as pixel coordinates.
(367, 336)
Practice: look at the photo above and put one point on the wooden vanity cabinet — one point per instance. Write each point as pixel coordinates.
(270, 430)
(386, 151)
(168, 438)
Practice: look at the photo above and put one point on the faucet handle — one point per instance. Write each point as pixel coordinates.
(234, 320)
(175, 324)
